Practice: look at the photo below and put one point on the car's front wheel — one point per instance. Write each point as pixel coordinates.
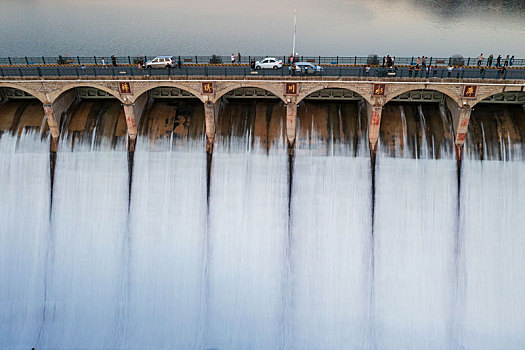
(258, 67)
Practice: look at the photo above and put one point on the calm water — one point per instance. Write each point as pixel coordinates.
(330, 27)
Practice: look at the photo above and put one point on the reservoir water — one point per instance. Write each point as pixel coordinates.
(328, 28)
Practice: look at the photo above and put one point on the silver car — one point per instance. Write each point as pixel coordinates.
(160, 62)
(305, 68)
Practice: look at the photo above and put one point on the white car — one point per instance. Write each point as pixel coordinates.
(269, 63)
(305, 68)
(160, 62)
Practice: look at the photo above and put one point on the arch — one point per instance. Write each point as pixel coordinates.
(483, 96)
(276, 89)
(169, 84)
(439, 88)
(55, 95)
(38, 95)
(320, 87)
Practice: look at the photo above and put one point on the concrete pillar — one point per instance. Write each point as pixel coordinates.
(291, 121)
(374, 123)
(129, 112)
(51, 119)
(54, 112)
(460, 118)
(211, 112)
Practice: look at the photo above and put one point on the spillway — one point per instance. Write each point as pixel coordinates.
(255, 245)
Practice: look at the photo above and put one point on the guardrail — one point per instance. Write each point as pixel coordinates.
(214, 59)
(245, 70)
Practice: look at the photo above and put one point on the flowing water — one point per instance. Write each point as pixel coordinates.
(252, 248)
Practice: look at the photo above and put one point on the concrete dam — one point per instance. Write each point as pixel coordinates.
(178, 230)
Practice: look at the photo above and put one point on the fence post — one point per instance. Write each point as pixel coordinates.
(43, 60)
(319, 59)
(196, 61)
(1, 71)
(113, 69)
(430, 61)
(468, 62)
(58, 71)
(78, 74)
(10, 63)
(340, 72)
(39, 71)
(27, 62)
(186, 71)
(95, 58)
(337, 60)
(129, 60)
(78, 59)
(20, 70)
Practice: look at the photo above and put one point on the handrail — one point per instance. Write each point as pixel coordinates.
(218, 59)
(196, 69)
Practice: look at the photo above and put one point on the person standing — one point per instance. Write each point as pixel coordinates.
(498, 61)
(424, 62)
(239, 57)
(103, 62)
(480, 59)
(511, 62)
(233, 58)
(179, 63)
(489, 61)
(506, 64)
(113, 60)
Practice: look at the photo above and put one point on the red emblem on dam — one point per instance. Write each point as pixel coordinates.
(291, 89)
(124, 87)
(379, 90)
(207, 88)
(470, 91)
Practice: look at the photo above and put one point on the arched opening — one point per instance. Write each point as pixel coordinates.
(418, 124)
(90, 117)
(332, 121)
(497, 127)
(21, 112)
(251, 117)
(170, 113)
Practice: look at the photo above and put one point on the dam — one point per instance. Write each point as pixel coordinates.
(262, 213)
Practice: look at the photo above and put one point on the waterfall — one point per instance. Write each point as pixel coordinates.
(167, 245)
(24, 237)
(314, 248)
(247, 246)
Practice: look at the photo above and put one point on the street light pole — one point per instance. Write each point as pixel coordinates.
(294, 28)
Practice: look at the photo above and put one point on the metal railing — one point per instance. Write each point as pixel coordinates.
(245, 70)
(218, 59)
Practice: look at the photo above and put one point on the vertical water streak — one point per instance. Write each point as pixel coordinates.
(414, 230)
(168, 227)
(24, 233)
(331, 226)
(247, 239)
